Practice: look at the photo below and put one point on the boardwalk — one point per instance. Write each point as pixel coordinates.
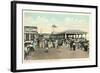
(56, 53)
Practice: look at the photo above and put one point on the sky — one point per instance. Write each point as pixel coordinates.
(62, 21)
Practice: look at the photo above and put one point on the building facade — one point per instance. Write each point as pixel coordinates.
(75, 34)
(30, 32)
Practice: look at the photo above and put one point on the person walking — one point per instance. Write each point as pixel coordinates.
(34, 44)
(74, 47)
(46, 46)
(56, 43)
(71, 45)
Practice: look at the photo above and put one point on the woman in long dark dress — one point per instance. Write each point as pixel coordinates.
(74, 47)
(71, 44)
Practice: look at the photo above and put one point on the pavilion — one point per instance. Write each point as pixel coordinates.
(76, 34)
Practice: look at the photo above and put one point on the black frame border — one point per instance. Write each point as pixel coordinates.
(13, 35)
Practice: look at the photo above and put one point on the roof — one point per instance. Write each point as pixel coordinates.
(30, 29)
(32, 32)
(44, 33)
(71, 32)
(34, 27)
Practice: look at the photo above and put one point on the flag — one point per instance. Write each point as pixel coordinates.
(54, 26)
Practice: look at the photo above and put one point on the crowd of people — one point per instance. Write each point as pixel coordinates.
(69, 43)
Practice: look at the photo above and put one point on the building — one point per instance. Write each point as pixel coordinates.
(30, 32)
(44, 35)
(75, 34)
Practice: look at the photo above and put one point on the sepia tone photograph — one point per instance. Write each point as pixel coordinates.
(55, 35)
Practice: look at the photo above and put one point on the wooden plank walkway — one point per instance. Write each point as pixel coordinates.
(56, 53)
